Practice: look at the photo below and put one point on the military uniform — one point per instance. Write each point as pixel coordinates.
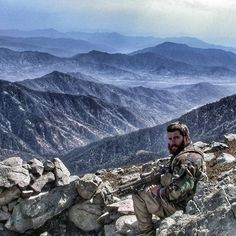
(176, 188)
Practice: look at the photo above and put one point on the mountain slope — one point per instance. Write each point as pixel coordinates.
(209, 122)
(150, 106)
(193, 56)
(51, 123)
(63, 47)
(119, 42)
(176, 60)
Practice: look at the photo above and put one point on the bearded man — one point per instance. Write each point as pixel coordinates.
(177, 186)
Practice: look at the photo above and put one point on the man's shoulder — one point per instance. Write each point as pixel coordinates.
(191, 153)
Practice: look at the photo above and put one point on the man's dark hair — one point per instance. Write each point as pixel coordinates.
(181, 127)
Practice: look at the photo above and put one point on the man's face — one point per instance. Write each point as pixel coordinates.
(176, 142)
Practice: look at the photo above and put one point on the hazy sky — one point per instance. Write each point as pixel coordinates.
(205, 19)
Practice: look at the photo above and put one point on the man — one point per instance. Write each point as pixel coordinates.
(177, 186)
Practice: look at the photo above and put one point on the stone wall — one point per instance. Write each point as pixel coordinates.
(42, 198)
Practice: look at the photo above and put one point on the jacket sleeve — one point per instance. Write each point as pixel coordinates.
(184, 176)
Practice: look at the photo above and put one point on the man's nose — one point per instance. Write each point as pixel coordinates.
(172, 142)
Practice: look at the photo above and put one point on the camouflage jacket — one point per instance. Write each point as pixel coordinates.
(186, 169)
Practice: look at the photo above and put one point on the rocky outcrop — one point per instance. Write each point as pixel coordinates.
(43, 199)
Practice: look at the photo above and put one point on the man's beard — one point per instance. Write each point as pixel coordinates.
(178, 150)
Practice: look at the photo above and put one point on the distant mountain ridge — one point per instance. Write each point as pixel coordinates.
(208, 122)
(62, 47)
(193, 56)
(67, 112)
(167, 59)
(110, 41)
(150, 106)
(51, 123)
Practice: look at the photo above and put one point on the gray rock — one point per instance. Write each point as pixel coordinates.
(9, 195)
(201, 144)
(215, 201)
(230, 191)
(13, 161)
(11, 205)
(35, 211)
(88, 185)
(219, 222)
(117, 171)
(103, 194)
(192, 208)
(48, 165)
(84, 216)
(16, 175)
(124, 207)
(110, 230)
(230, 138)
(216, 146)
(5, 208)
(233, 207)
(127, 225)
(210, 158)
(61, 172)
(39, 183)
(4, 216)
(225, 158)
(36, 166)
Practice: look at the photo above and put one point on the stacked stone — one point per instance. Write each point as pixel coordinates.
(36, 194)
(20, 181)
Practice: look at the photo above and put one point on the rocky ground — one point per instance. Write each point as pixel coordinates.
(44, 199)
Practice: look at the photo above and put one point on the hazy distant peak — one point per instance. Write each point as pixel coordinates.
(171, 45)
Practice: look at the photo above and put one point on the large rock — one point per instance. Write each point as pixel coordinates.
(9, 195)
(127, 225)
(225, 158)
(84, 216)
(103, 194)
(61, 172)
(13, 175)
(124, 207)
(13, 161)
(36, 166)
(42, 181)
(230, 139)
(35, 211)
(88, 185)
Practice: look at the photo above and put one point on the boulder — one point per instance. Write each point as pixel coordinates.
(103, 194)
(124, 207)
(48, 165)
(225, 158)
(42, 181)
(13, 175)
(9, 195)
(127, 225)
(4, 216)
(84, 216)
(36, 166)
(61, 172)
(230, 139)
(88, 185)
(35, 211)
(13, 161)
(215, 147)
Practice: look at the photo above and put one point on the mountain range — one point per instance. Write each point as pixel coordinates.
(149, 106)
(51, 123)
(208, 122)
(167, 59)
(56, 113)
(81, 41)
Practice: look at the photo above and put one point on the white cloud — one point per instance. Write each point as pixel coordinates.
(201, 18)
